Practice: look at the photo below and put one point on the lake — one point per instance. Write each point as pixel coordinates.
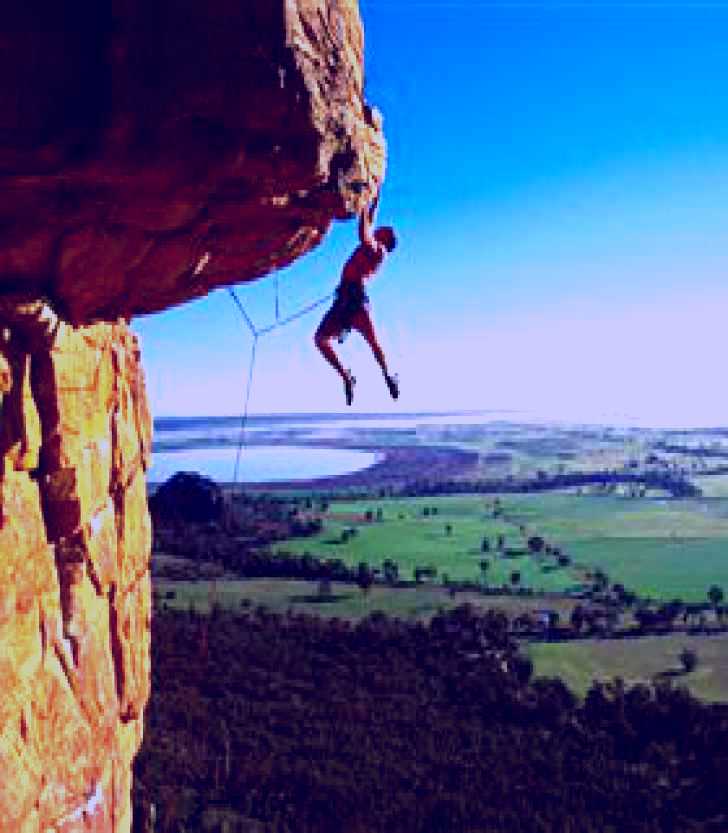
(259, 463)
(282, 447)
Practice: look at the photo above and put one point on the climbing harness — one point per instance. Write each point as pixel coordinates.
(257, 333)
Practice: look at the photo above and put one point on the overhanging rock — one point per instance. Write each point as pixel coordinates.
(151, 150)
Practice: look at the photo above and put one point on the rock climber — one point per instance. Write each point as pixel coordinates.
(350, 310)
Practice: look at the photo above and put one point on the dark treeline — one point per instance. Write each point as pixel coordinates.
(693, 451)
(712, 470)
(275, 724)
(306, 567)
(675, 484)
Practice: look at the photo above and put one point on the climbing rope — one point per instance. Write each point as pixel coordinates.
(244, 416)
(257, 333)
(278, 314)
(296, 315)
(245, 315)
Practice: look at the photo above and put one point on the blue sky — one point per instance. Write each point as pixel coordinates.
(558, 176)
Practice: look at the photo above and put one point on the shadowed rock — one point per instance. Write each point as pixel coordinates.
(151, 151)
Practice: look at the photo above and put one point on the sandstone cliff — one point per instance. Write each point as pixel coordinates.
(74, 579)
(148, 153)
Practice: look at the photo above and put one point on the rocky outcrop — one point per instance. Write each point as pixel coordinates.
(188, 496)
(149, 152)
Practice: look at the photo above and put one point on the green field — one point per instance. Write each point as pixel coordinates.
(637, 660)
(574, 516)
(410, 539)
(347, 601)
(660, 548)
(279, 595)
(715, 485)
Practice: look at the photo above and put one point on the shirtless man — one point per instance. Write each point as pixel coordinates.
(350, 310)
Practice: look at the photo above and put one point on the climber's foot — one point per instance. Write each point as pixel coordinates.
(349, 382)
(392, 384)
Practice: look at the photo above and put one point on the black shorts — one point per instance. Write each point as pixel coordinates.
(349, 301)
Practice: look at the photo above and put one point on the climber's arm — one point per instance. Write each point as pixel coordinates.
(366, 223)
(373, 206)
(365, 229)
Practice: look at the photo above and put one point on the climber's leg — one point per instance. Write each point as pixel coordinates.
(327, 351)
(329, 328)
(362, 322)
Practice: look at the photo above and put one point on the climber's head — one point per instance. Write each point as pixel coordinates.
(386, 236)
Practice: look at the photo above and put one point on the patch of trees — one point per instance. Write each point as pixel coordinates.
(422, 573)
(274, 724)
(693, 616)
(286, 565)
(220, 530)
(188, 496)
(594, 620)
(688, 659)
(211, 542)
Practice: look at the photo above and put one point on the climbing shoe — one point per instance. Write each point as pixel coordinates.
(349, 383)
(393, 385)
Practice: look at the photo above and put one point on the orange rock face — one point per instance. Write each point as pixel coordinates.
(149, 152)
(74, 577)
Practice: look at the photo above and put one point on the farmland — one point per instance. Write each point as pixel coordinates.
(660, 548)
(644, 660)
(630, 533)
(412, 538)
(346, 601)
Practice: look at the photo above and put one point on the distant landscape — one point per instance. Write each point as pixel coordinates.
(520, 515)
(603, 551)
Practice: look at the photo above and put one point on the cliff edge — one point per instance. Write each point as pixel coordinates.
(149, 152)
